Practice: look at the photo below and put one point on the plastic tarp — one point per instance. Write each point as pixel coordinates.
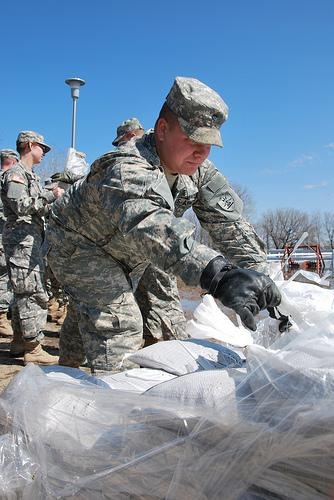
(263, 432)
(76, 162)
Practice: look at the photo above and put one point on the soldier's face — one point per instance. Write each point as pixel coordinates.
(37, 152)
(177, 152)
(7, 163)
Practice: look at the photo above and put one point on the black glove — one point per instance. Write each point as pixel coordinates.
(62, 177)
(243, 290)
(284, 321)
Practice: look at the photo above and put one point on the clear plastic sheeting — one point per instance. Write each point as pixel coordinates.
(263, 431)
(270, 439)
(18, 471)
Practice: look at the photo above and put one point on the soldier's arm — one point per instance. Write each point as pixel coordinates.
(219, 210)
(67, 176)
(139, 204)
(19, 200)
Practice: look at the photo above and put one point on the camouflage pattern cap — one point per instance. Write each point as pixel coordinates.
(9, 153)
(31, 136)
(199, 109)
(126, 127)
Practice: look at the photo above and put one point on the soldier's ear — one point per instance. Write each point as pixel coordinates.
(161, 128)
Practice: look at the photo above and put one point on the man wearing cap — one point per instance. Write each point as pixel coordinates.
(127, 130)
(126, 215)
(8, 158)
(25, 205)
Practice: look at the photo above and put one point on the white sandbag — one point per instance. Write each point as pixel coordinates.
(185, 356)
(71, 375)
(136, 380)
(211, 389)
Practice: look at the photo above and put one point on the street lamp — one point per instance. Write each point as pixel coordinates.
(75, 84)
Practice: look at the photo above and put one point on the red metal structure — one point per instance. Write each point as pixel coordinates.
(317, 264)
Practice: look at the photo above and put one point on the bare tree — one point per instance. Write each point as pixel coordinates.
(329, 228)
(318, 228)
(283, 226)
(201, 234)
(54, 161)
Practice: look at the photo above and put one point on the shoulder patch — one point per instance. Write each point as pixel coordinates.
(227, 202)
(15, 177)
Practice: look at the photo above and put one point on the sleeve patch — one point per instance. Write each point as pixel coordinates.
(226, 202)
(17, 178)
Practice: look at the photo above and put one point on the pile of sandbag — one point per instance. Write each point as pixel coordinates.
(236, 419)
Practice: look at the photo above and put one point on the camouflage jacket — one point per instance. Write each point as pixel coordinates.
(25, 204)
(126, 207)
(2, 213)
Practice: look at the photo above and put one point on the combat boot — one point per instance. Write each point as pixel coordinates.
(16, 349)
(53, 307)
(64, 361)
(34, 353)
(62, 315)
(71, 362)
(5, 326)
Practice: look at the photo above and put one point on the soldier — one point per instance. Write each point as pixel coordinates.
(8, 158)
(157, 294)
(125, 215)
(127, 130)
(25, 205)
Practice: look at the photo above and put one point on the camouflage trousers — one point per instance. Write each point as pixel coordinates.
(104, 320)
(54, 288)
(29, 308)
(158, 298)
(6, 293)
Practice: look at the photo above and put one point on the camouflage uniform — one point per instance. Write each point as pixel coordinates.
(157, 293)
(121, 219)
(6, 293)
(25, 205)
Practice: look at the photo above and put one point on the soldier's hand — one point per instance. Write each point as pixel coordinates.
(57, 191)
(243, 290)
(62, 177)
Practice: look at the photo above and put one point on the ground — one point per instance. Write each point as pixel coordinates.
(9, 367)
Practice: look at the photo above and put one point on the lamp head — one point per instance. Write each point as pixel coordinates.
(75, 84)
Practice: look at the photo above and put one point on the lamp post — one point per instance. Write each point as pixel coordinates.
(75, 84)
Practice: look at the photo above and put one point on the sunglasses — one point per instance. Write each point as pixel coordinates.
(44, 148)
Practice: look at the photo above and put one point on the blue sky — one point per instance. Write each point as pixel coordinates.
(272, 62)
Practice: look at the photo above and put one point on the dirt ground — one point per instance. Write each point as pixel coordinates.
(9, 366)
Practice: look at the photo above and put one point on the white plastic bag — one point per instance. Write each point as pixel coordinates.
(309, 307)
(211, 322)
(76, 162)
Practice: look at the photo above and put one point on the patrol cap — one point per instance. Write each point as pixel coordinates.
(31, 136)
(126, 127)
(199, 109)
(9, 153)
